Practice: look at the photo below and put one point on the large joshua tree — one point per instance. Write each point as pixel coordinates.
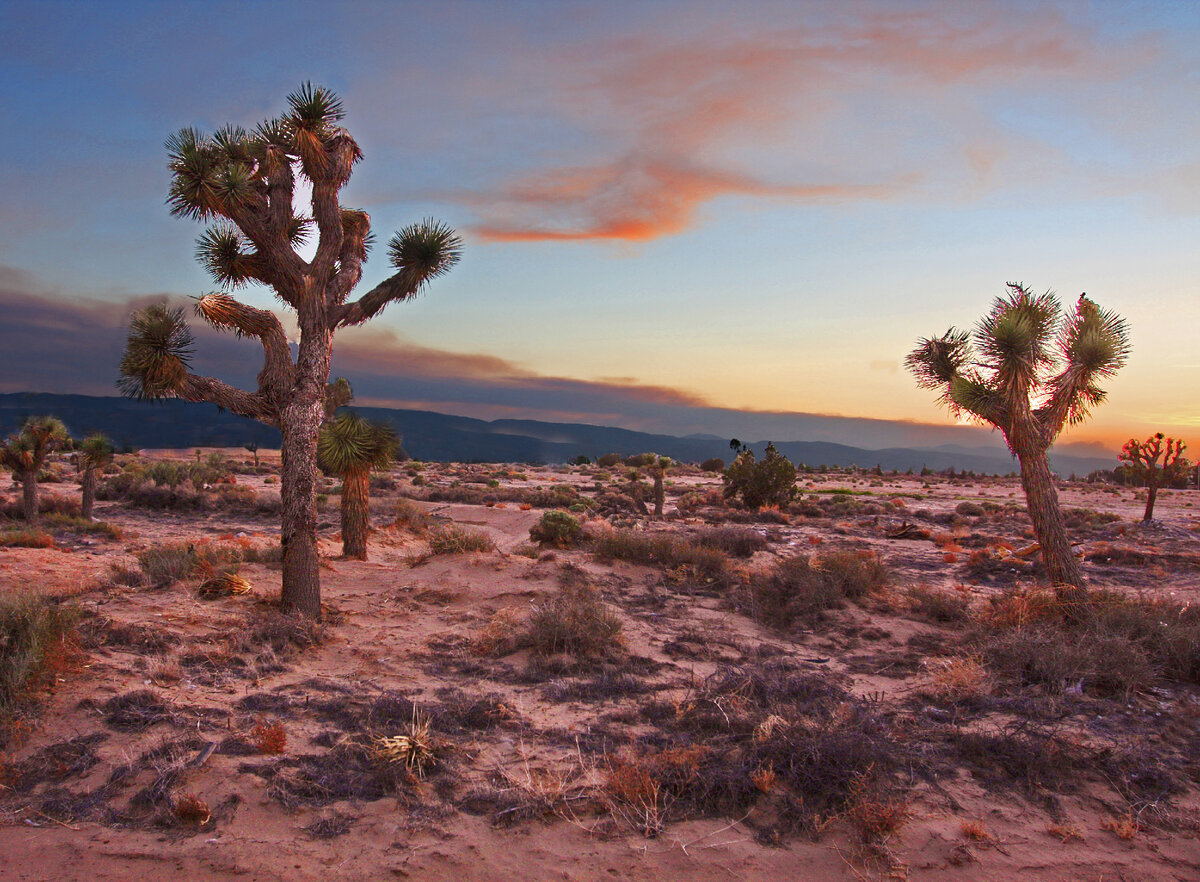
(1029, 372)
(245, 182)
(350, 447)
(24, 452)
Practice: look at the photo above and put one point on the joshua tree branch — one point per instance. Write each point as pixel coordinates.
(402, 286)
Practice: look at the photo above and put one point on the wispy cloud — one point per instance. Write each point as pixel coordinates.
(668, 125)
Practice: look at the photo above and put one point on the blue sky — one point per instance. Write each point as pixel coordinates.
(672, 210)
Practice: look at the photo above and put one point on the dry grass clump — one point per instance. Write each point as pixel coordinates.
(166, 564)
(1115, 645)
(803, 586)
(734, 541)
(942, 607)
(501, 635)
(959, 678)
(414, 749)
(226, 584)
(26, 538)
(687, 560)
(34, 632)
(456, 539)
(411, 517)
(575, 620)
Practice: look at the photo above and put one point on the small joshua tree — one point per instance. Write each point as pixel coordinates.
(95, 452)
(24, 453)
(1030, 373)
(658, 470)
(245, 181)
(252, 446)
(350, 447)
(1157, 461)
(770, 482)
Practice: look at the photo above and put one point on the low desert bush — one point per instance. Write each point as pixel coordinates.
(943, 607)
(412, 517)
(26, 538)
(574, 620)
(734, 541)
(456, 539)
(689, 560)
(558, 529)
(31, 628)
(716, 464)
(1117, 644)
(770, 482)
(801, 587)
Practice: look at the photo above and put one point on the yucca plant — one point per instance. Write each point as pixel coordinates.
(350, 447)
(244, 182)
(1029, 371)
(95, 452)
(25, 452)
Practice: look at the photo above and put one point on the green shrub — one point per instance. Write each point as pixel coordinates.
(716, 464)
(609, 460)
(556, 528)
(970, 509)
(26, 538)
(770, 482)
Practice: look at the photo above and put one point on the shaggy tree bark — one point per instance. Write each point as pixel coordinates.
(356, 512)
(29, 497)
(88, 501)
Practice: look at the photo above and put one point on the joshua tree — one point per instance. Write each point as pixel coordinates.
(95, 452)
(1141, 458)
(24, 453)
(658, 470)
(245, 182)
(252, 446)
(349, 447)
(1030, 372)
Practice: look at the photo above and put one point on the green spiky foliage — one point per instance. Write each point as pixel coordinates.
(350, 447)
(25, 452)
(1029, 370)
(241, 183)
(94, 453)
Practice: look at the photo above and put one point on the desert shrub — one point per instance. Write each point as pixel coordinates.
(970, 509)
(456, 539)
(770, 482)
(609, 460)
(167, 563)
(26, 538)
(1116, 645)
(31, 627)
(557, 528)
(411, 516)
(167, 474)
(944, 607)
(716, 464)
(48, 504)
(802, 586)
(640, 460)
(734, 541)
(575, 620)
(666, 550)
(1077, 518)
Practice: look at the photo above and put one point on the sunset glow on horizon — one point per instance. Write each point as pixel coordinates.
(672, 211)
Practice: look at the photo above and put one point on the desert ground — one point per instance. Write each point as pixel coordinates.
(866, 684)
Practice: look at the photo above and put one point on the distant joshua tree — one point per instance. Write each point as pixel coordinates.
(245, 181)
(252, 446)
(1030, 372)
(1142, 460)
(350, 447)
(95, 452)
(25, 452)
(658, 470)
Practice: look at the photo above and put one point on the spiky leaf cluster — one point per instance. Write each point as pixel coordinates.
(95, 451)
(157, 353)
(1025, 360)
(350, 443)
(25, 451)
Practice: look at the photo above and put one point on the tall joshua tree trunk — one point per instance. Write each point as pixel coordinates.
(29, 497)
(1050, 527)
(88, 502)
(356, 512)
(298, 505)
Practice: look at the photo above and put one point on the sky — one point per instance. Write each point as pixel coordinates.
(730, 218)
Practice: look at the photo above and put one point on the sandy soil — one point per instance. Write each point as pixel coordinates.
(522, 760)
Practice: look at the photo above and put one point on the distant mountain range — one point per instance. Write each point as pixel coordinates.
(436, 436)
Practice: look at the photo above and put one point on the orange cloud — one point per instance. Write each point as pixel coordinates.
(673, 123)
